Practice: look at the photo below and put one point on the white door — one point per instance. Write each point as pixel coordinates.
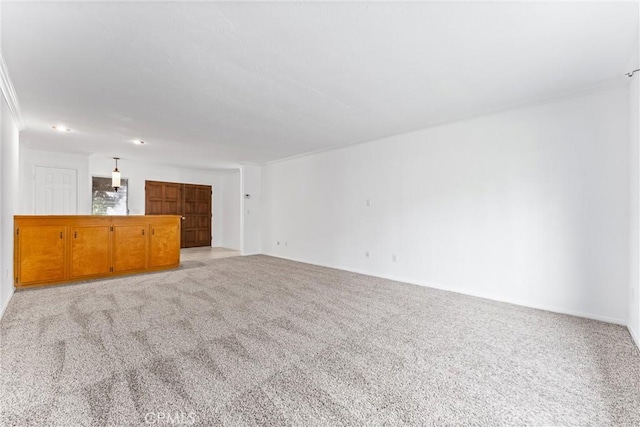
(56, 191)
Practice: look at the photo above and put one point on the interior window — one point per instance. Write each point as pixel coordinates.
(107, 201)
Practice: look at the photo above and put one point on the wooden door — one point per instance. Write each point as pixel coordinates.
(41, 254)
(192, 202)
(196, 227)
(163, 250)
(163, 198)
(90, 251)
(130, 248)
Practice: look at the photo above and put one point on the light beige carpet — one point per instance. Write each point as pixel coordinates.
(263, 341)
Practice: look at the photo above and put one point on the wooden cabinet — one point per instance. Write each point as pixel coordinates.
(130, 247)
(58, 249)
(90, 256)
(163, 251)
(42, 252)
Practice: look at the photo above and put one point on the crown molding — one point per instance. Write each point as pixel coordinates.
(9, 93)
(620, 81)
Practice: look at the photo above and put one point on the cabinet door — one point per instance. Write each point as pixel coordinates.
(41, 254)
(129, 247)
(164, 244)
(90, 251)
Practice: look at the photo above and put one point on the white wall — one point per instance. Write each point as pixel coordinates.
(528, 206)
(9, 155)
(231, 209)
(251, 182)
(634, 199)
(4, 299)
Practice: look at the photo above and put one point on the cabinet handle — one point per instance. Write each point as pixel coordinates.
(143, 231)
(61, 234)
(153, 231)
(75, 234)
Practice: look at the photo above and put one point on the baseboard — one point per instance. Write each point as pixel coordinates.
(6, 304)
(634, 337)
(491, 297)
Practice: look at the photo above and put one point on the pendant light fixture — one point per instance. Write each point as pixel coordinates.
(115, 176)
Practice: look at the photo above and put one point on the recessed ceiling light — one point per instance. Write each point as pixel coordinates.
(61, 128)
(138, 141)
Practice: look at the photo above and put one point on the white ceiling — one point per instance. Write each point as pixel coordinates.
(215, 84)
